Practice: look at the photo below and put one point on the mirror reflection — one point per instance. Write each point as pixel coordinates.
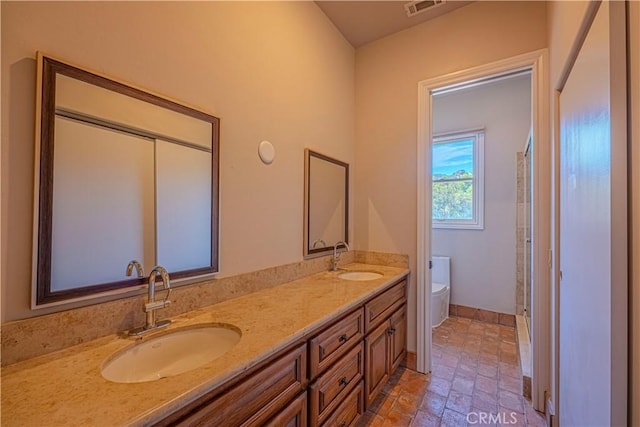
(123, 175)
(326, 203)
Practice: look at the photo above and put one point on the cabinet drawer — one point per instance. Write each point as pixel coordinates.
(294, 415)
(350, 410)
(329, 345)
(381, 307)
(331, 387)
(257, 398)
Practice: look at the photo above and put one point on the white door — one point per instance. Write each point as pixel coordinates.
(593, 228)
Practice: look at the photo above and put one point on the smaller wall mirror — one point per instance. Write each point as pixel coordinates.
(326, 203)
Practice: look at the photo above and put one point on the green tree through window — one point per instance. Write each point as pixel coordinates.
(455, 170)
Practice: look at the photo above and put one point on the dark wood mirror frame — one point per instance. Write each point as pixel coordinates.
(314, 252)
(48, 68)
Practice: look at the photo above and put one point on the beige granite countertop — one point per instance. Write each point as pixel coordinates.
(65, 388)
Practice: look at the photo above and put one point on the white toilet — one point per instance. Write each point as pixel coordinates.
(440, 289)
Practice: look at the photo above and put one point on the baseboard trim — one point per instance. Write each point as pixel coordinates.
(411, 361)
(483, 315)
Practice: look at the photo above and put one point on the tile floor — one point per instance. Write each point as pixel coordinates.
(476, 380)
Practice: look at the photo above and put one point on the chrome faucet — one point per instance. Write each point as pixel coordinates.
(336, 256)
(152, 305)
(139, 268)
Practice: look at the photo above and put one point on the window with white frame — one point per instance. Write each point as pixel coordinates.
(457, 177)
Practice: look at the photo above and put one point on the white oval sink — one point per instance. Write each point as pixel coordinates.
(359, 276)
(170, 354)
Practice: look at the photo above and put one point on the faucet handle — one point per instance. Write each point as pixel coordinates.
(151, 306)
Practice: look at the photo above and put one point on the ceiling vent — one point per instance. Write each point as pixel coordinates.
(415, 7)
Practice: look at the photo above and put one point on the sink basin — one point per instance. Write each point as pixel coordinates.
(170, 354)
(359, 276)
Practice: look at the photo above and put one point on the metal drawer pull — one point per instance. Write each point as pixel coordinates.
(343, 338)
(343, 381)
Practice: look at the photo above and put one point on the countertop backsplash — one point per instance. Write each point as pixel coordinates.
(24, 339)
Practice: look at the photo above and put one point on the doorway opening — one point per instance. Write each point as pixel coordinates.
(481, 228)
(479, 206)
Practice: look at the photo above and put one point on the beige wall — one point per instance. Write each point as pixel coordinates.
(483, 262)
(387, 76)
(563, 22)
(270, 70)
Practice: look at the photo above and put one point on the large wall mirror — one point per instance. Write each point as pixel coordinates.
(121, 175)
(326, 202)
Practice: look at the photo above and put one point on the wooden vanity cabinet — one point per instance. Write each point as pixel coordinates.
(386, 340)
(254, 400)
(329, 389)
(293, 415)
(378, 369)
(346, 363)
(397, 337)
(336, 366)
(385, 349)
(350, 410)
(379, 308)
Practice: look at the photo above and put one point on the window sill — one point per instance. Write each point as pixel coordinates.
(456, 225)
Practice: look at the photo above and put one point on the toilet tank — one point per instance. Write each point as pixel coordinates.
(441, 271)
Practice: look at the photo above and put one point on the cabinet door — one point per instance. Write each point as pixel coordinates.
(397, 337)
(377, 360)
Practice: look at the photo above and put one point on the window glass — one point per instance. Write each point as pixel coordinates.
(456, 173)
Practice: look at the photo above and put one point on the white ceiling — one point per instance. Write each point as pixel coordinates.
(362, 22)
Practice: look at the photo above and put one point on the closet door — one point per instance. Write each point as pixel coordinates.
(593, 227)
(105, 219)
(183, 197)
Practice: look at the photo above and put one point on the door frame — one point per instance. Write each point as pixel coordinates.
(537, 63)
